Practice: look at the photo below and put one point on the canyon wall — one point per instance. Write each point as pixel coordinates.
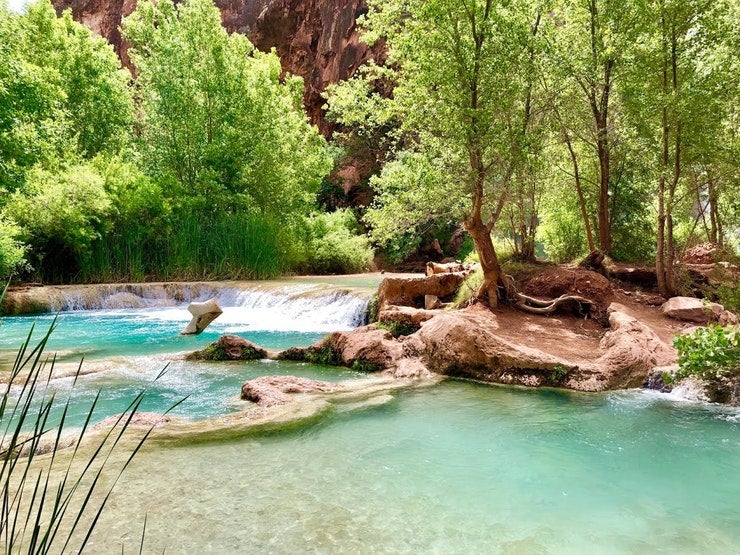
(316, 39)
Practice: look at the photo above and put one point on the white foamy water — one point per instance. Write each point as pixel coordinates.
(299, 307)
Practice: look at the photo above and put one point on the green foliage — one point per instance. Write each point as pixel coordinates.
(373, 307)
(216, 351)
(325, 355)
(468, 289)
(367, 367)
(709, 352)
(558, 374)
(62, 93)
(335, 245)
(12, 251)
(61, 214)
(729, 296)
(397, 328)
(222, 128)
(562, 229)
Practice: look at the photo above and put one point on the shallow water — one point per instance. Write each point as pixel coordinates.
(459, 468)
(274, 317)
(455, 468)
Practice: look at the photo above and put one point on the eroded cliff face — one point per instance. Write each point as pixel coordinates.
(316, 39)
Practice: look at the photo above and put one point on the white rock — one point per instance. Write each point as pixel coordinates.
(203, 314)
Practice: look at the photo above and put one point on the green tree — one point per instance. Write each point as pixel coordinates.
(12, 251)
(461, 86)
(97, 100)
(63, 94)
(32, 117)
(221, 126)
(588, 51)
(675, 97)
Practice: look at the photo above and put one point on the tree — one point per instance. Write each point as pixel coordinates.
(461, 87)
(675, 99)
(591, 41)
(221, 126)
(63, 94)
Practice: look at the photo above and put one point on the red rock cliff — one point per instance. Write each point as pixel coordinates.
(315, 39)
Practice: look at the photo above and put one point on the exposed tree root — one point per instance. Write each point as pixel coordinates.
(538, 306)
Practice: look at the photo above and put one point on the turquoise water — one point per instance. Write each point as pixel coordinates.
(458, 468)
(101, 334)
(454, 468)
(189, 390)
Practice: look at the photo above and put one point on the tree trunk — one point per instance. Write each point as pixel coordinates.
(579, 189)
(714, 221)
(492, 275)
(605, 240)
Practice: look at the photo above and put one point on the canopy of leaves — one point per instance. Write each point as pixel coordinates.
(220, 125)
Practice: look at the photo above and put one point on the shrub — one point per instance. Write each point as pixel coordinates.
(562, 233)
(12, 251)
(62, 213)
(397, 328)
(335, 246)
(709, 353)
(468, 289)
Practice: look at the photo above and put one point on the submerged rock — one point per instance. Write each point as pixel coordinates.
(656, 381)
(203, 314)
(269, 391)
(229, 347)
(725, 390)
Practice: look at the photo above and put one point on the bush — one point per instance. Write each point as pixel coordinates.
(62, 213)
(397, 328)
(468, 289)
(12, 251)
(709, 353)
(563, 235)
(334, 245)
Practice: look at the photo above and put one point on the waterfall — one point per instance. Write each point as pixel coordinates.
(278, 306)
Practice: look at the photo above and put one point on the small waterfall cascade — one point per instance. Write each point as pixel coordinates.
(293, 306)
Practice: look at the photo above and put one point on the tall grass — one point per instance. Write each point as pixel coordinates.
(46, 503)
(192, 247)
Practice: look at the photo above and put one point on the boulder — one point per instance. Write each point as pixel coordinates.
(229, 347)
(411, 291)
(465, 343)
(656, 380)
(367, 348)
(632, 351)
(689, 309)
(431, 302)
(724, 390)
(203, 314)
(269, 391)
(406, 315)
(704, 253)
